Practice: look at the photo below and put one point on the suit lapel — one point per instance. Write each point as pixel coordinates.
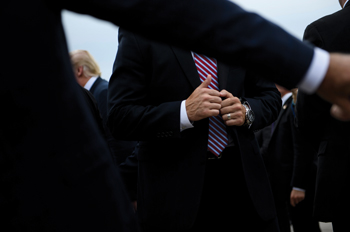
(283, 111)
(188, 66)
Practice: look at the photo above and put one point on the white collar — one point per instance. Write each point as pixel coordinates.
(90, 82)
(285, 97)
(345, 3)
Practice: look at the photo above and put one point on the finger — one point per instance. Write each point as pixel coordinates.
(214, 99)
(231, 101)
(234, 122)
(233, 115)
(341, 110)
(227, 109)
(236, 108)
(210, 112)
(233, 119)
(212, 106)
(224, 93)
(206, 82)
(292, 202)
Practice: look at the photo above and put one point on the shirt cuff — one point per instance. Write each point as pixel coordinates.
(316, 72)
(299, 189)
(185, 123)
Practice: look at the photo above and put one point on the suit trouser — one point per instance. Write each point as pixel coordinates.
(341, 213)
(225, 202)
(302, 214)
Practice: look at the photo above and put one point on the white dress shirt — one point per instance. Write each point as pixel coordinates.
(90, 82)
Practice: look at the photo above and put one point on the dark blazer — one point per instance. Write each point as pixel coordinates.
(93, 108)
(53, 164)
(145, 92)
(99, 90)
(286, 169)
(121, 149)
(327, 136)
(277, 147)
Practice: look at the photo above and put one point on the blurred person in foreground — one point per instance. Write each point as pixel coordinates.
(55, 171)
(328, 137)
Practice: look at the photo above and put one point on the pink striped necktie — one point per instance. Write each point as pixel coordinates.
(217, 140)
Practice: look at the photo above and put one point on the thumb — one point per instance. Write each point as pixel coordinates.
(341, 110)
(206, 82)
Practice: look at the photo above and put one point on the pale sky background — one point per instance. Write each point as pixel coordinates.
(100, 37)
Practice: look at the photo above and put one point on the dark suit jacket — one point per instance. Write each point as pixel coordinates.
(52, 159)
(93, 109)
(327, 136)
(145, 92)
(279, 148)
(121, 149)
(99, 90)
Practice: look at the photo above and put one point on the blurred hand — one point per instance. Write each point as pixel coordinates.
(335, 87)
(233, 106)
(134, 204)
(203, 102)
(296, 196)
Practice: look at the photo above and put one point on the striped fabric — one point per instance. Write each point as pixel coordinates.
(217, 140)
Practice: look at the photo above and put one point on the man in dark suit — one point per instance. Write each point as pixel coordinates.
(286, 172)
(181, 183)
(88, 75)
(55, 168)
(328, 137)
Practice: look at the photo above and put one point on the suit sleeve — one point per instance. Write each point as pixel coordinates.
(312, 36)
(264, 99)
(131, 117)
(217, 28)
(128, 171)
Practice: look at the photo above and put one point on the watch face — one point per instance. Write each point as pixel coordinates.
(251, 116)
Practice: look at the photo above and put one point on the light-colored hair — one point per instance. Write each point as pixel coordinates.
(85, 59)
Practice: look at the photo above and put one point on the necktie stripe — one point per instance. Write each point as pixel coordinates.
(218, 120)
(213, 146)
(220, 139)
(217, 134)
(203, 71)
(207, 64)
(214, 149)
(220, 135)
(219, 125)
(208, 61)
(207, 68)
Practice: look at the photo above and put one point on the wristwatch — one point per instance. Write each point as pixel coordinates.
(249, 114)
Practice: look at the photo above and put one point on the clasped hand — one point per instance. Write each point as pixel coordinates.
(205, 102)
